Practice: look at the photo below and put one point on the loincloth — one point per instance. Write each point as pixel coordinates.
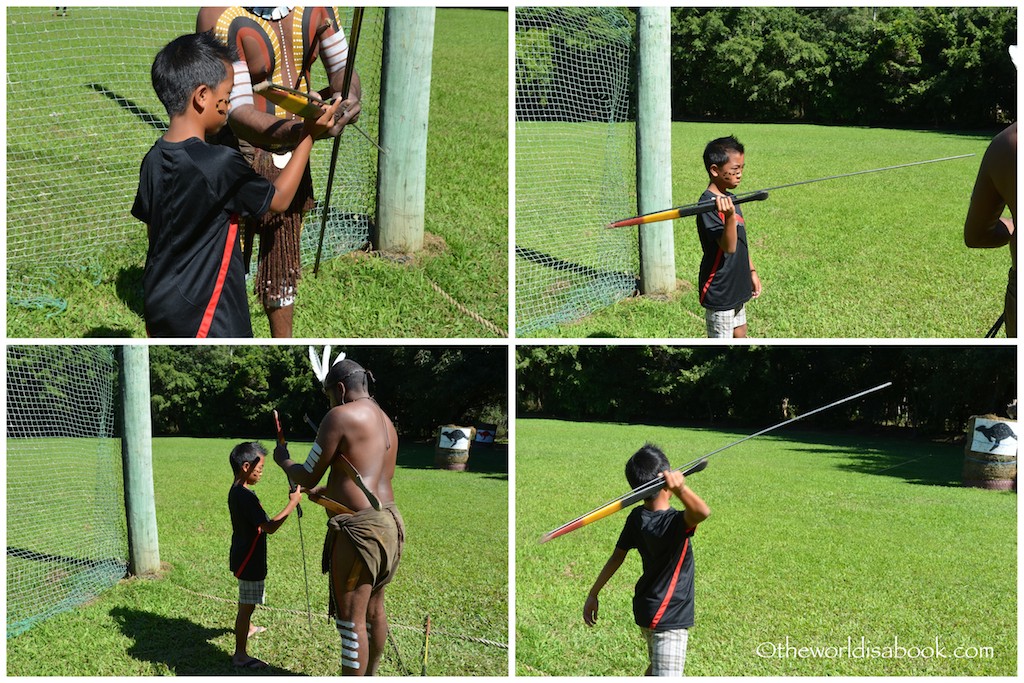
(279, 263)
(377, 537)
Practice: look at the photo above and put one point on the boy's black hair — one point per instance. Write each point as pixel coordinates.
(717, 151)
(349, 373)
(250, 451)
(186, 63)
(645, 465)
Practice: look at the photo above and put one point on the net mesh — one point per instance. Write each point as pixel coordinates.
(81, 115)
(62, 455)
(575, 164)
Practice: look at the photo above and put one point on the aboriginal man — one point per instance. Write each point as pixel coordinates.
(355, 441)
(279, 44)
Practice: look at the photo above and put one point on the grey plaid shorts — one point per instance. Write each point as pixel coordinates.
(720, 324)
(667, 651)
(251, 592)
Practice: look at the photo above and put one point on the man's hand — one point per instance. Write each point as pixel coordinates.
(317, 129)
(350, 110)
(281, 454)
(590, 610)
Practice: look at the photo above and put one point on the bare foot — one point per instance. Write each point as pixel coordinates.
(253, 630)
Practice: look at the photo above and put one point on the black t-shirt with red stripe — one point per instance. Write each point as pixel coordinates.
(663, 597)
(248, 542)
(191, 195)
(725, 281)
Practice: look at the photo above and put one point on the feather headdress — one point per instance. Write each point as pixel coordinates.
(322, 365)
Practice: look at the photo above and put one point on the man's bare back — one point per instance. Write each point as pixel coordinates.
(362, 432)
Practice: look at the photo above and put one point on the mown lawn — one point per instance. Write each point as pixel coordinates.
(455, 569)
(815, 538)
(877, 255)
(355, 295)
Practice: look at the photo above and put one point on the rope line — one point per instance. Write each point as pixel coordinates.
(418, 629)
(475, 316)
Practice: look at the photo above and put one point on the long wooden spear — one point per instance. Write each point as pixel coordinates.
(757, 195)
(302, 542)
(350, 67)
(645, 490)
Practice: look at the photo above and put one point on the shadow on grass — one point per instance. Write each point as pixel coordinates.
(916, 461)
(181, 645)
(131, 107)
(491, 461)
(129, 288)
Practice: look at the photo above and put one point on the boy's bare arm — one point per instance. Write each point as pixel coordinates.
(730, 235)
(696, 509)
(274, 523)
(610, 567)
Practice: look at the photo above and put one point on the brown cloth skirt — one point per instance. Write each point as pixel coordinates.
(377, 537)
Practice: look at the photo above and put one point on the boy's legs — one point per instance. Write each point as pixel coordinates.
(726, 324)
(352, 586)
(250, 594)
(667, 651)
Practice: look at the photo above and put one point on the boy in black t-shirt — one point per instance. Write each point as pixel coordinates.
(727, 276)
(663, 597)
(249, 528)
(192, 194)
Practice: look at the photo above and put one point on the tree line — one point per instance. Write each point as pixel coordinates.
(230, 391)
(877, 66)
(935, 389)
(945, 67)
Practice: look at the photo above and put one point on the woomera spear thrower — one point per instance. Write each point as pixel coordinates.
(756, 196)
(645, 490)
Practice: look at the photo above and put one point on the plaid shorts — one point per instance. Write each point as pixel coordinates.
(251, 592)
(720, 324)
(667, 651)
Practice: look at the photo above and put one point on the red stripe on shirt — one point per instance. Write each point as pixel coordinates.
(711, 276)
(671, 586)
(204, 326)
(252, 549)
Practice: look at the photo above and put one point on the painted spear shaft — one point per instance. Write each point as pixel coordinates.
(302, 541)
(707, 206)
(645, 490)
(350, 66)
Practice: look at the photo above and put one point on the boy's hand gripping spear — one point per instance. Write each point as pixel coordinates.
(302, 543)
(645, 490)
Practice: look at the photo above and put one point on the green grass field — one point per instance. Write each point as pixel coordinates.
(454, 568)
(814, 537)
(877, 255)
(355, 295)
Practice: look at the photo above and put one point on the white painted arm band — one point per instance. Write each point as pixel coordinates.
(241, 90)
(312, 459)
(334, 53)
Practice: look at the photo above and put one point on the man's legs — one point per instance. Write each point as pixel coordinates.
(377, 623)
(280, 320)
(351, 582)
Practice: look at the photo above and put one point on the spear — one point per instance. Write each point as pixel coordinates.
(302, 542)
(756, 196)
(645, 490)
(350, 65)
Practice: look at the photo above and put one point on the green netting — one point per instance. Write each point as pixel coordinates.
(81, 114)
(66, 535)
(575, 164)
